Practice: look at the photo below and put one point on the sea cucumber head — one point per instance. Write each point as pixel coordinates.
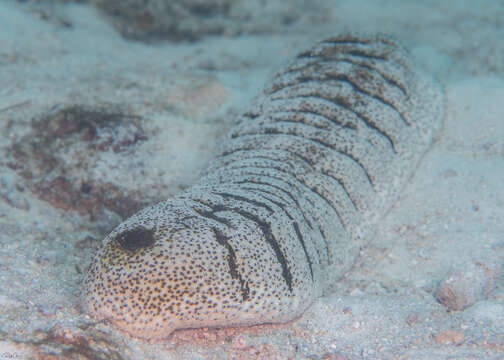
(163, 269)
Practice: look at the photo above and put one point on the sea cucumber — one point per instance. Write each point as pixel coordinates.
(282, 211)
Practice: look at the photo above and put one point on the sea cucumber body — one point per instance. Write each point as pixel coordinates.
(284, 208)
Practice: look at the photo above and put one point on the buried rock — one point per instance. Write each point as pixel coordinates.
(465, 286)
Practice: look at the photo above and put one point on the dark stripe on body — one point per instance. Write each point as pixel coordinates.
(357, 88)
(350, 51)
(244, 199)
(342, 184)
(231, 259)
(296, 226)
(322, 233)
(343, 103)
(277, 120)
(295, 176)
(210, 214)
(304, 109)
(308, 161)
(278, 204)
(368, 66)
(229, 162)
(301, 240)
(270, 239)
(347, 40)
(341, 77)
(311, 189)
(265, 228)
(278, 188)
(274, 132)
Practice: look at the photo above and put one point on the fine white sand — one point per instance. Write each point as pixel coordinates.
(449, 217)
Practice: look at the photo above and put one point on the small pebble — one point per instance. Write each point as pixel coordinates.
(335, 356)
(12, 350)
(240, 342)
(411, 318)
(462, 288)
(448, 173)
(68, 335)
(450, 337)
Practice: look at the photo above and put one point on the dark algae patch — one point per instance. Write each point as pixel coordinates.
(57, 156)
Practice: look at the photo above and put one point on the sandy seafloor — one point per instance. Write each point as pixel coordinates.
(184, 96)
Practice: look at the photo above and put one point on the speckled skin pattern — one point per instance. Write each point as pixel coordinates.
(283, 209)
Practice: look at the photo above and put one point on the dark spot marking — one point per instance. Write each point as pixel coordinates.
(86, 188)
(134, 239)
